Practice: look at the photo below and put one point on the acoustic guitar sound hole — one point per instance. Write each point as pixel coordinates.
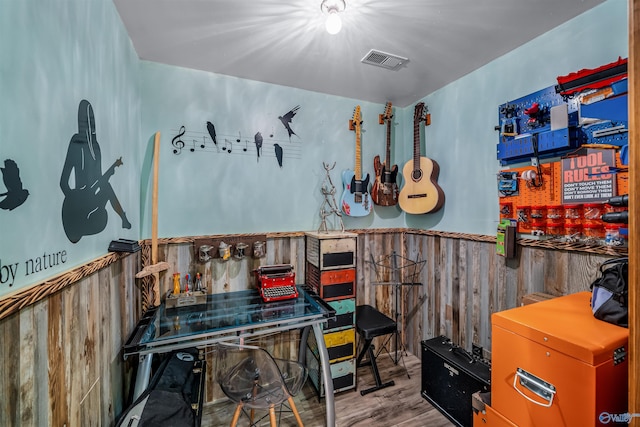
(416, 175)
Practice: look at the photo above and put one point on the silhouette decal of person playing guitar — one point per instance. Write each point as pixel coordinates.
(84, 208)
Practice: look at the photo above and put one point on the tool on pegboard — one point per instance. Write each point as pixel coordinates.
(507, 183)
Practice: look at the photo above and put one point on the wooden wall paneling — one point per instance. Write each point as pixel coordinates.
(10, 371)
(27, 360)
(414, 297)
(58, 379)
(463, 308)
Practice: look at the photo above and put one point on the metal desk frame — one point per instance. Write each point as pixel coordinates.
(149, 346)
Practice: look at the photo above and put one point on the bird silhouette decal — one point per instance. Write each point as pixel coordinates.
(278, 150)
(258, 141)
(286, 119)
(15, 194)
(212, 132)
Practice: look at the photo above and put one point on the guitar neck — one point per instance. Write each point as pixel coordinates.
(416, 145)
(387, 160)
(357, 171)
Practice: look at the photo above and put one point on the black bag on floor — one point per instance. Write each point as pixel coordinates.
(609, 297)
(173, 393)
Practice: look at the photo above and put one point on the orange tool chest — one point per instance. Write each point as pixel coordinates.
(554, 364)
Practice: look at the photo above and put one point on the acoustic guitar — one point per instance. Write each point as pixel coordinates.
(384, 191)
(355, 197)
(421, 193)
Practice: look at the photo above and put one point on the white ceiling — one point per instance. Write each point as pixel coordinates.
(285, 42)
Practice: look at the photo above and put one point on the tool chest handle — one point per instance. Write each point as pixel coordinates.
(536, 385)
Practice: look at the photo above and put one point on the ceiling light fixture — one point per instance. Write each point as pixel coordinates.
(333, 8)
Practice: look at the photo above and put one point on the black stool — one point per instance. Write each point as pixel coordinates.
(370, 323)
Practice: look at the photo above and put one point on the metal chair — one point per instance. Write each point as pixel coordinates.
(253, 379)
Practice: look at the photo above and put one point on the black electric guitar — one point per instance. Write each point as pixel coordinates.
(384, 191)
(82, 212)
(421, 193)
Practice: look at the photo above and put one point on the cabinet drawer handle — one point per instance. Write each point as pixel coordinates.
(537, 386)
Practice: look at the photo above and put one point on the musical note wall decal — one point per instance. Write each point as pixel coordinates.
(178, 143)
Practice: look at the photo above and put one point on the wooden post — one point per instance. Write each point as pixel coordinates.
(155, 267)
(634, 211)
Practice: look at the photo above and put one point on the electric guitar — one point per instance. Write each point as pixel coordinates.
(420, 193)
(82, 213)
(355, 197)
(384, 191)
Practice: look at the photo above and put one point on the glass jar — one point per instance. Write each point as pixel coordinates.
(612, 235)
(538, 228)
(523, 216)
(572, 212)
(538, 212)
(555, 212)
(555, 228)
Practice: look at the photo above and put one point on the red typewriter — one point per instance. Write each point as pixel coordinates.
(276, 282)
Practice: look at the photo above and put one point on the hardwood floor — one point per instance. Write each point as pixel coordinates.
(400, 405)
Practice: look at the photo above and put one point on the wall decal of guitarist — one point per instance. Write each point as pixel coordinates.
(84, 208)
(355, 199)
(421, 193)
(384, 191)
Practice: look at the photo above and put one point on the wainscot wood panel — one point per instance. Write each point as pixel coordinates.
(61, 360)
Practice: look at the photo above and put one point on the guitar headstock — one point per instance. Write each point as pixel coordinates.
(421, 113)
(387, 115)
(356, 121)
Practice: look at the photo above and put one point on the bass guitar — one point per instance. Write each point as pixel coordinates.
(355, 197)
(421, 193)
(82, 212)
(384, 191)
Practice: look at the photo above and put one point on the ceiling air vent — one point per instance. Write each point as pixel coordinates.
(383, 59)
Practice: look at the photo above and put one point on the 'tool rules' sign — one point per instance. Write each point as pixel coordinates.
(588, 178)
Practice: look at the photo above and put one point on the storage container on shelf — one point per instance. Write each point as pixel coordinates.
(555, 212)
(573, 213)
(573, 230)
(555, 228)
(538, 228)
(506, 210)
(593, 231)
(538, 212)
(592, 213)
(612, 235)
(523, 215)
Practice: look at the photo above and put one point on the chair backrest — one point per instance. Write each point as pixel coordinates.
(250, 375)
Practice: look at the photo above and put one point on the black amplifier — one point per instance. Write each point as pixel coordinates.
(450, 375)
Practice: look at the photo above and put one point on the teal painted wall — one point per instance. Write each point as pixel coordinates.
(53, 54)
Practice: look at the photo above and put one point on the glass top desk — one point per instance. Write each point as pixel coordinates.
(229, 317)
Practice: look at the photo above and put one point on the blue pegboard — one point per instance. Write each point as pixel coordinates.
(517, 146)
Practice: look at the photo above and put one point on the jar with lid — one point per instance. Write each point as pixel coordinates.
(538, 212)
(555, 212)
(612, 235)
(555, 228)
(523, 215)
(572, 212)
